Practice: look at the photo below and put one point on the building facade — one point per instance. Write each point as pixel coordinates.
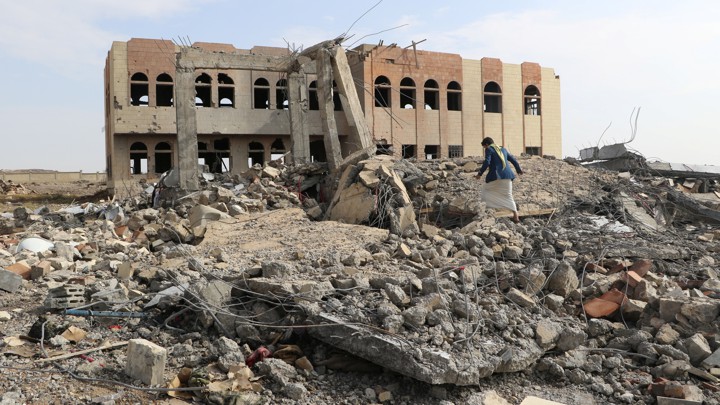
(418, 104)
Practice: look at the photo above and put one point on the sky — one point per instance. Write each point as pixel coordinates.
(613, 57)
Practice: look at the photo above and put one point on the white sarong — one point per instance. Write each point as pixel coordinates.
(498, 194)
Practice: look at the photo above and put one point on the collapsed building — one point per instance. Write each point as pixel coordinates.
(168, 105)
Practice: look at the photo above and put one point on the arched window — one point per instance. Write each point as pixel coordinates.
(163, 157)
(261, 94)
(454, 96)
(139, 90)
(407, 93)
(164, 90)
(337, 103)
(226, 90)
(532, 100)
(382, 92)
(277, 149)
(138, 158)
(281, 97)
(432, 95)
(313, 96)
(256, 154)
(492, 98)
(203, 90)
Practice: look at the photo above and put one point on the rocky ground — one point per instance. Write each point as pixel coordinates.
(605, 292)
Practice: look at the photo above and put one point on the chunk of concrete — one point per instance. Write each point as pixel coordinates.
(531, 400)
(713, 361)
(146, 361)
(9, 281)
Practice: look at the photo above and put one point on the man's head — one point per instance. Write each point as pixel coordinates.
(487, 142)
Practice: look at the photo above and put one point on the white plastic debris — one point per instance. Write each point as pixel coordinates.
(36, 245)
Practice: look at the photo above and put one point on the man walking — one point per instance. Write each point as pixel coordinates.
(497, 190)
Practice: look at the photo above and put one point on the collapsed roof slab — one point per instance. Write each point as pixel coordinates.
(433, 366)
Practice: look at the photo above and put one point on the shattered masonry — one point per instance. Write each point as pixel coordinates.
(607, 287)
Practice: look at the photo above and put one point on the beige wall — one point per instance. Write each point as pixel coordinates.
(551, 125)
(512, 93)
(52, 177)
(472, 113)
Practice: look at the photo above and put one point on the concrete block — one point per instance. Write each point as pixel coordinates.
(676, 401)
(40, 269)
(9, 281)
(713, 361)
(538, 401)
(146, 361)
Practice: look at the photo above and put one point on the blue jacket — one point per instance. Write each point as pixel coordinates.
(493, 161)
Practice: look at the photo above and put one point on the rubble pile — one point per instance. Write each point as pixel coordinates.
(264, 287)
(11, 188)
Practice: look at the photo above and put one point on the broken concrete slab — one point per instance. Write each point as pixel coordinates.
(146, 361)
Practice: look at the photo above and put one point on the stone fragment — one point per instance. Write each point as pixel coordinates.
(531, 400)
(547, 333)
(712, 361)
(20, 268)
(570, 338)
(396, 294)
(146, 361)
(697, 348)
(40, 269)
(666, 335)
(520, 298)
(9, 281)
(563, 280)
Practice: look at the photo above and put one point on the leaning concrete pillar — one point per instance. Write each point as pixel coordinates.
(359, 130)
(327, 109)
(186, 126)
(299, 132)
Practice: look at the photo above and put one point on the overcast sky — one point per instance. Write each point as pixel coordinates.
(611, 56)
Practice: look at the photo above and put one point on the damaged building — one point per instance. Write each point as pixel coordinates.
(415, 103)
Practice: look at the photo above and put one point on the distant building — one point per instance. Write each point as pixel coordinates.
(418, 104)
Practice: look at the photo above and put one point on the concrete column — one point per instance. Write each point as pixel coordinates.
(299, 132)
(327, 109)
(359, 131)
(186, 126)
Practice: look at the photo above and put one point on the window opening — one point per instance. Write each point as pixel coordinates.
(454, 96)
(492, 98)
(313, 96)
(215, 156)
(532, 150)
(164, 90)
(281, 98)
(337, 104)
(382, 92)
(384, 149)
(532, 100)
(163, 157)
(317, 151)
(261, 94)
(226, 90)
(277, 149)
(203, 91)
(139, 90)
(407, 93)
(431, 151)
(138, 158)
(432, 95)
(455, 151)
(256, 154)
(408, 151)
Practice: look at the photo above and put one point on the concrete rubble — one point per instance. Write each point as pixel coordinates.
(269, 285)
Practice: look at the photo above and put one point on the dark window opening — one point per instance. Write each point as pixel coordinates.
(532, 150)
(313, 96)
(454, 97)
(432, 151)
(532, 100)
(203, 91)
(164, 90)
(317, 151)
(408, 151)
(383, 149)
(407, 93)
(281, 97)
(382, 92)
(139, 90)
(261, 94)
(256, 154)
(163, 157)
(492, 98)
(432, 95)
(337, 104)
(138, 158)
(221, 144)
(216, 162)
(455, 151)
(277, 149)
